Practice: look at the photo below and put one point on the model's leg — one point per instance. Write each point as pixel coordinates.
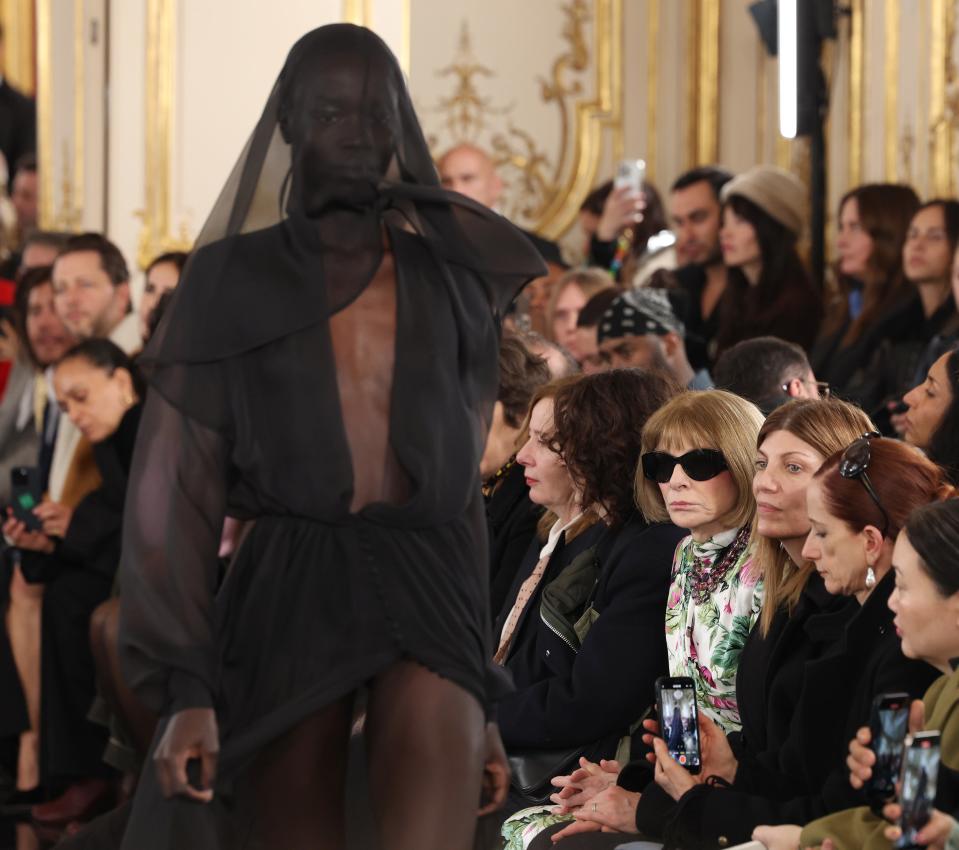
(137, 720)
(426, 746)
(23, 627)
(296, 785)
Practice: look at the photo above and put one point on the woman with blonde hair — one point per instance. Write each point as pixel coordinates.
(696, 471)
(569, 295)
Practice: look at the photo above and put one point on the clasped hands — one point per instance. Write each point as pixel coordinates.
(598, 804)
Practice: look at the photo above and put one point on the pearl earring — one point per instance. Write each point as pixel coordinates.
(870, 578)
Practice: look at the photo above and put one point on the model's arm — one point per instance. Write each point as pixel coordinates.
(172, 521)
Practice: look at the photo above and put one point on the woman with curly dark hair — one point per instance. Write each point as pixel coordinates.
(584, 663)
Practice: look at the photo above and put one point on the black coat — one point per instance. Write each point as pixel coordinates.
(18, 125)
(566, 698)
(799, 772)
(511, 518)
(77, 578)
(687, 301)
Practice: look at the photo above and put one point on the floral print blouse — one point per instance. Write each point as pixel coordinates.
(713, 603)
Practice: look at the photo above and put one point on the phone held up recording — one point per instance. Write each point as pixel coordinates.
(679, 720)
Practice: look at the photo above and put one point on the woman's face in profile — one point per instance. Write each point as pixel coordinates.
(546, 475)
(928, 404)
(926, 621)
(837, 551)
(92, 399)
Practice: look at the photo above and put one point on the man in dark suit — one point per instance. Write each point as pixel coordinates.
(18, 120)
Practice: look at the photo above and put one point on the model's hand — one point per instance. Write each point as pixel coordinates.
(55, 518)
(190, 734)
(623, 207)
(495, 772)
(584, 783)
(778, 837)
(674, 779)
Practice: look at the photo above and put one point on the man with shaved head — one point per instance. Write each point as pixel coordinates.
(469, 170)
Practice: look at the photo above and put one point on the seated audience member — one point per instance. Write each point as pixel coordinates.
(570, 294)
(641, 329)
(587, 329)
(768, 290)
(873, 223)
(162, 275)
(590, 212)
(802, 776)
(41, 249)
(767, 371)
(924, 604)
(75, 555)
(571, 647)
(632, 239)
(29, 415)
(25, 195)
(928, 315)
(696, 471)
(560, 362)
(695, 211)
(510, 514)
(931, 421)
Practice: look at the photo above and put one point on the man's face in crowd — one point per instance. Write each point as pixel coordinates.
(48, 336)
(695, 214)
(627, 352)
(24, 198)
(85, 297)
(470, 172)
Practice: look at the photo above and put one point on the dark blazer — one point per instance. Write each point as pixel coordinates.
(800, 773)
(567, 698)
(511, 519)
(18, 125)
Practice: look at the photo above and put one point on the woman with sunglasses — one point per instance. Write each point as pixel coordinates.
(811, 662)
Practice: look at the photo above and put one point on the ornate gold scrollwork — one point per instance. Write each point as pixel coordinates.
(541, 192)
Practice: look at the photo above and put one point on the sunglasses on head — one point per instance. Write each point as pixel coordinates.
(853, 464)
(699, 464)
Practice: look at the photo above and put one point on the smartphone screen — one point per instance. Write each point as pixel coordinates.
(630, 174)
(25, 495)
(920, 770)
(889, 724)
(679, 720)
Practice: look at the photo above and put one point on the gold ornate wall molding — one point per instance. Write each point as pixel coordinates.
(702, 80)
(584, 86)
(18, 18)
(66, 211)
(652, 84)
(856, 78)
(891, 112)
(359, 12)
(156, 235)
(944, 98)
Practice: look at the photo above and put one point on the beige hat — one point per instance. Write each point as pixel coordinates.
(776, 192)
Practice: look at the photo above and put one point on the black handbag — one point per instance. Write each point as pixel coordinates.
(533, 769)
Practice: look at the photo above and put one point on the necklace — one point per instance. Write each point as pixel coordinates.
(490, 484)
(707, 572)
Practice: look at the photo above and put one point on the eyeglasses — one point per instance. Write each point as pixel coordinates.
(853, 464)
(699, 464)
(822, 387)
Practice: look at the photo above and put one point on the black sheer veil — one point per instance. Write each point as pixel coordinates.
(259, 276)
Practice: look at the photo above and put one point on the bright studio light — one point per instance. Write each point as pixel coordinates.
(788, 67)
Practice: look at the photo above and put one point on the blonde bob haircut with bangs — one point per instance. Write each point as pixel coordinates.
(704, 419)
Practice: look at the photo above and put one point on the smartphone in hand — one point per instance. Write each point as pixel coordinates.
(888, 725)
(26, 493)
(679, 720)
(920, 773)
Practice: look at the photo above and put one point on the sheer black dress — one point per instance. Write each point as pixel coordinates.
(345, 419)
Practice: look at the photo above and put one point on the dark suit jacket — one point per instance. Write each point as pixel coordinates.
(800, 773)
(568, 698)
(511, 519)
(18, 125)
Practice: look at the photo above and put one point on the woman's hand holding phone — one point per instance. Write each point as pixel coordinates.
(717, 755)
(16, 534)
(934, 834)
(862, 758)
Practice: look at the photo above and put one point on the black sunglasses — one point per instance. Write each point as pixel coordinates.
(854, 463)
(699, 464)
